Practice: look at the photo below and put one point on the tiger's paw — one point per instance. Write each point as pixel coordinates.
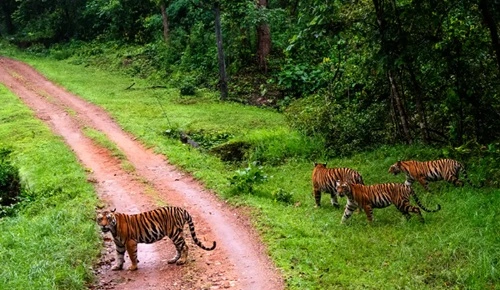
(117, 267)
(172, 261)
(132, 268)
(180, 262)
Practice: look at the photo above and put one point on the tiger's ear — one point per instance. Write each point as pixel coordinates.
(315, 164)
(113, 210)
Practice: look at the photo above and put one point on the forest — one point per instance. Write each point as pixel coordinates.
(358, 74)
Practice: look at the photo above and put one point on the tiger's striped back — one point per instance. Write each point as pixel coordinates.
(380, 196)
(325, 180)
(428, 171)
(149, 227)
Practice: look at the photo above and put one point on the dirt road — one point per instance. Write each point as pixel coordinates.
(239, 261)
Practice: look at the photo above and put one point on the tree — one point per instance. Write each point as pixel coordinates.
(490, 22)
(220, 53)
(163, 4)
(263, 37)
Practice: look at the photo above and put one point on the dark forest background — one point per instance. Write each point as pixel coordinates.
(358, 74)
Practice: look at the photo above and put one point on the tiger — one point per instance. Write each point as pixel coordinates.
(323, 180)
(380, 196)
(435, 170)
(148, 227)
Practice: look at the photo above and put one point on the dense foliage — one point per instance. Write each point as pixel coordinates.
(355, 73)
(10, 183)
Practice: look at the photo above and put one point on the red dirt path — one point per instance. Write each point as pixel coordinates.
(240, 260)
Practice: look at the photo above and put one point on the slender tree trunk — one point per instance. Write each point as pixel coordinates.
(164, 18)
(422, 116)
(220, 53)
(263, 39)
(492, 26)
(399, 108)
(391, 52)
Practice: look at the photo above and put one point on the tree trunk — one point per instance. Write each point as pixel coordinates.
(220, 53)
(263, 39)
(422, 116)
(164, 18)
(399, 108)
(390, 52)
(490, 22)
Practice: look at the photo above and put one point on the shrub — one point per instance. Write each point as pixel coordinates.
(187, 87)
(243, 181)
(10, 184)
(280, 195)
(345, 127)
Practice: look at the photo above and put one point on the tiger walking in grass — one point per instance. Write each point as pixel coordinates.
(426, 171)
(380, 196)
(324, 180)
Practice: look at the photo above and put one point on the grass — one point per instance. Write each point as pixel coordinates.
(51, 243)
(101, 139)
(457, 247)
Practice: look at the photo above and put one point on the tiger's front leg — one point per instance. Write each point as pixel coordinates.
(132, 253)
(120, 252)
(350, 207)
(409, 180)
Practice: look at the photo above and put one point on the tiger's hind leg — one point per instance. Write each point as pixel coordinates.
(454, 179)
(424, 183)
(184, 254)
(333, 200)
(317, 197)
(181, 255)
(407, 208)
(181, 249)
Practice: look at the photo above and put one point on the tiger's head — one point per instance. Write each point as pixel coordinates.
(107, 221)
(395, 168)
(343, 188)
(319, 165)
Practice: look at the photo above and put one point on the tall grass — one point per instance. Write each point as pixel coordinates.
(51, 243)
(456, 247)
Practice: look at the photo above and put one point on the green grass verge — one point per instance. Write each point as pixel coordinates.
(456, 247)
(52, 242)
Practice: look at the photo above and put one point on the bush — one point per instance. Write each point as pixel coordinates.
(244, 180)
(187, 88)
(280, 195)
(346, 128)
(10, 184)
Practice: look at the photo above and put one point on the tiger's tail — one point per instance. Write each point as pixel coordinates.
(415, 196)
(360, 180)
(189, 220)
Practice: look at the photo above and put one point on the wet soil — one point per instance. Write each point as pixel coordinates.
(240, 260)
